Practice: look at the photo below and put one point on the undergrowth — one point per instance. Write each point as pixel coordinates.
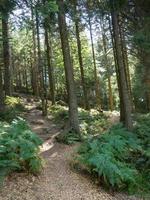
(119, 158)
(13, 108)
(19, 148)
(91, 123)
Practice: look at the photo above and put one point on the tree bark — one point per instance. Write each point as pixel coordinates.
(50, 65)
(6, 55)
(43, 95)
(111, 106)
(35, 81)
(97, 86)
(73, 108)
(121, 68)
(86, 103)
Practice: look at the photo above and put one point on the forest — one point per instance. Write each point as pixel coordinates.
(74, 99)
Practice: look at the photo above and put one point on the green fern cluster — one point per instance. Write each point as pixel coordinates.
(111, 155)
(19, 148)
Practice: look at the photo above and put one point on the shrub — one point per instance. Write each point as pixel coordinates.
(19, 148)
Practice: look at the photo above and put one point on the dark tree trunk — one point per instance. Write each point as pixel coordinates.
(6, 55)
(73, 108)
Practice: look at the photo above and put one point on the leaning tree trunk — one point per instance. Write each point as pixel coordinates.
(126, 101)
(6, 55)
(73, 108)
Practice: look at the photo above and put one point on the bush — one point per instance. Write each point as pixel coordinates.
(19, 148)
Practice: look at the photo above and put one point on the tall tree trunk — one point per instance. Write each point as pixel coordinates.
(50, 65)
(1, 90)
(73, 108)
(125, 60)
(111, 106)
(86, 103)
(122, 113)
(146, 78)
(35, 81)
(121, 68)
(40, 69)
(6, 54)
(1, 73)
(97, 86)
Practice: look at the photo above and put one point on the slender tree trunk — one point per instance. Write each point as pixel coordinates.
(40, 69)
(73, 108)
(86, 103)
(35, 81)
(111, 106)
(125, 60)
(6, 54)
(97, 86)
(1, 90)
(50, 65)
(123, 84)
(146, 78)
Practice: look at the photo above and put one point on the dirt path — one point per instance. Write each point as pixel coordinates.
(57, 181)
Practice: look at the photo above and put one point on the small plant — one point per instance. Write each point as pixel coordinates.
(19, 148)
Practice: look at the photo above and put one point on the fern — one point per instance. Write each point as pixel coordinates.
(109, 156)
(19, 148)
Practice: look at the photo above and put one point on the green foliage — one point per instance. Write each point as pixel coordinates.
(91, 123)
(142, 129)
(59, 112)
(14, 107)
(114, 157)
(19, 148)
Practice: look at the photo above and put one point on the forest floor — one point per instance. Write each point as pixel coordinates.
(57, 181)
